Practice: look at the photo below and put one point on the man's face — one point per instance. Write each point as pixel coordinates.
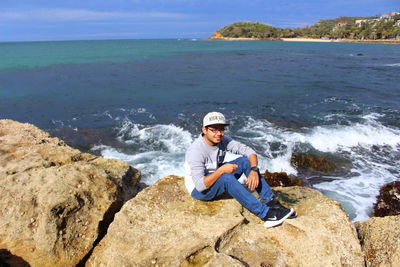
(213, 134)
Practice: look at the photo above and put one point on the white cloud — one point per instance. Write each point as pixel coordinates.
(109, 34)
(10, 16)
(82, 15)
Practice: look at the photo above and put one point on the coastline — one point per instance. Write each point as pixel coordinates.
(297, 39)
(240, 39)
(381, 41)
(307, 40)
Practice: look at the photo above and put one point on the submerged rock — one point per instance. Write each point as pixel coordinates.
(310, 164)
(388, 201)
(282, 179)
(55, 201)
(164, 226)
(380, 240)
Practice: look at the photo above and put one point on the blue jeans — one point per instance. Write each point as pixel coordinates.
(229, 183)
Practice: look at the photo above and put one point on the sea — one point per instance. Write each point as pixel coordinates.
(142, 101)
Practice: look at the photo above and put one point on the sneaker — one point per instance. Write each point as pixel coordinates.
(274, 203)
(276, 216)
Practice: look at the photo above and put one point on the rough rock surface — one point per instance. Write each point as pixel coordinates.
(380, 240)
(164, 226)
(55, 201)
(322, 235)
(388, 201)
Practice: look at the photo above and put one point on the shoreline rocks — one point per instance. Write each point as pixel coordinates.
(56, 201)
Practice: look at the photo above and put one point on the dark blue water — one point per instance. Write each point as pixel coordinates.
(143, 100)
(288, 82)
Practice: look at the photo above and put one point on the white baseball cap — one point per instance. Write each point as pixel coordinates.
(214, 118)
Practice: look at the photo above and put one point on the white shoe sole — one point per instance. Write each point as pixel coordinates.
(278, 222)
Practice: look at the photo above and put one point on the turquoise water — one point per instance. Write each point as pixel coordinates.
(142, 101)
(43, 54)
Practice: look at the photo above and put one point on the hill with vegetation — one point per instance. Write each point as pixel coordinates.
(386, 26)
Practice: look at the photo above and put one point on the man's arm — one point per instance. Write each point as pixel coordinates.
(196, 163)
(253, 178)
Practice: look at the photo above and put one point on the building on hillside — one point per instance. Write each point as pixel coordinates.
(389, 15)
(358, 22)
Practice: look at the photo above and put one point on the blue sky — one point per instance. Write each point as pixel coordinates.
(38, 20)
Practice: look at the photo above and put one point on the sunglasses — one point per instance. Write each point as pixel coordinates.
(214, 131)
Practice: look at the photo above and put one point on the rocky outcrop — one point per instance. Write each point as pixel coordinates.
(55, 201)
(380, 240)
(388, 201)
(164, 226)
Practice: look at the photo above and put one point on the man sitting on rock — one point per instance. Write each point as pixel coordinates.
(208, 176)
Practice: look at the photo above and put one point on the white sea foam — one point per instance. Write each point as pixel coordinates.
(167, 138)
(393, 65)
(152, 164)
(159, 149)
(334, 138)
(358, 193)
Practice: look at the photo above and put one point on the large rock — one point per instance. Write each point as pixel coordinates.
(380, 239)
(164, 226)
(55, 201)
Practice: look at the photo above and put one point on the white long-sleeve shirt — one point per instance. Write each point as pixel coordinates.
(201, 159)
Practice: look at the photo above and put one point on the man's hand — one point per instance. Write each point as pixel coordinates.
(252, 180)
(228, 168)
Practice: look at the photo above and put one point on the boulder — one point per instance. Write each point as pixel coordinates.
(388, 201)
(380, 240)
(55, 201)
(164, 226)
